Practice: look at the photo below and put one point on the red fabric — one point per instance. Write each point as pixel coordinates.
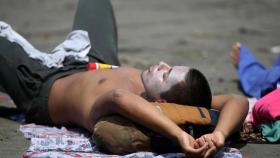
(267, 108)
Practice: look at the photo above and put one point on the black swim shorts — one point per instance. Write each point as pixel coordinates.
(28, 82)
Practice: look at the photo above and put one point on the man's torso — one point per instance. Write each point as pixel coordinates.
(72, 97)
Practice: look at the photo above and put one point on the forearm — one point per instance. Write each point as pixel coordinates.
(232, 115)
(141, 111)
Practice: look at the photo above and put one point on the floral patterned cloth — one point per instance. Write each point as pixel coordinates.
(72, 142)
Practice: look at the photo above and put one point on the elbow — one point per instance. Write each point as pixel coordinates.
(242, 102)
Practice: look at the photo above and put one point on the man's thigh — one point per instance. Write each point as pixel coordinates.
(97, 18)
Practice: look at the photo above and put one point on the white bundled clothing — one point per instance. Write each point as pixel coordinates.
(77, 45)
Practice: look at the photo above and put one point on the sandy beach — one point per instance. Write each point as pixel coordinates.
(197, 33)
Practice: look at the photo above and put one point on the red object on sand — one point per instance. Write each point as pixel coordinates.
(91, 66)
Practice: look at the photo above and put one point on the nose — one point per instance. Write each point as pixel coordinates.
(163, 65)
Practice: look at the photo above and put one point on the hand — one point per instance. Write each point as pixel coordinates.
(190, 147)
(214, 140)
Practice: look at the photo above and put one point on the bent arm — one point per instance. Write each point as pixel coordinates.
(143, 112)
(138, 110)
(233, 110)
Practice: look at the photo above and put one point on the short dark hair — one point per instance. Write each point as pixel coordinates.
(193, 91)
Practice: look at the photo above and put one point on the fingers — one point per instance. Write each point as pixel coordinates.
(210, 152)
(212, 145)
(212, 148)
(192, 148)
(196, 145)
(200, 141)
(209, 141)
(199, 152)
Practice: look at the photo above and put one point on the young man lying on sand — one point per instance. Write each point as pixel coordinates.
(70, 95)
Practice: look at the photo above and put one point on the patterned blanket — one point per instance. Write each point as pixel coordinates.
(72, 142)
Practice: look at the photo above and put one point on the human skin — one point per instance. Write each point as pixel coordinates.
(234, 54)
(84, 97)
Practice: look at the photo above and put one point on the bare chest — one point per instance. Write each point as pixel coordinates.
(101, 83)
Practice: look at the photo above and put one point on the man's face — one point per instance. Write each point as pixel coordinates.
(161, 77)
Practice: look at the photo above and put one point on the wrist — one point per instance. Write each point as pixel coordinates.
(180, 139)
(221, 133)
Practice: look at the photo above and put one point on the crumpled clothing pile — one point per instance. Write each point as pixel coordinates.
(77, 45)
